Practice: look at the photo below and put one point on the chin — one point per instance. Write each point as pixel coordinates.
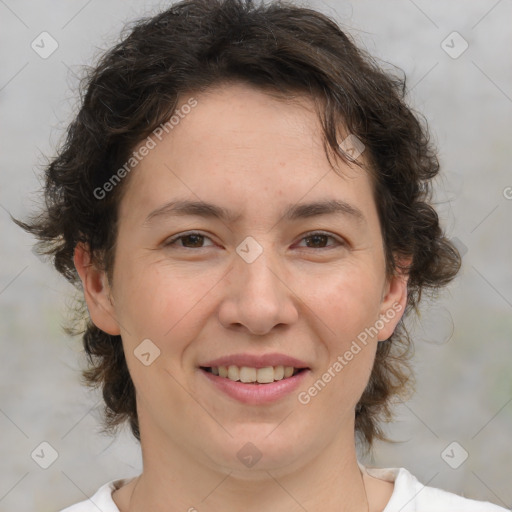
(251, 454)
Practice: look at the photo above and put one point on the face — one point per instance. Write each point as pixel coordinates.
(273, 283)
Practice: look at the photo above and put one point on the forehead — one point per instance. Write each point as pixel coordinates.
(244, 146)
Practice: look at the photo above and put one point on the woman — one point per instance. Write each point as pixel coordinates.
(244, 200)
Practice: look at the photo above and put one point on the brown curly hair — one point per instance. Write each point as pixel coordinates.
(283, 49)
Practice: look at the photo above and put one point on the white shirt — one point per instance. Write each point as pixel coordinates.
(409, 495)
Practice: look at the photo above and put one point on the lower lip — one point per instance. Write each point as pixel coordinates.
(255, 394)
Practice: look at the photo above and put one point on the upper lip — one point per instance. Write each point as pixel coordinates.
(256, 361)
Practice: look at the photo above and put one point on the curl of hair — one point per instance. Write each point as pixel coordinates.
(284, 50)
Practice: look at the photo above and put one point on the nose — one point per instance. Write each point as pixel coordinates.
(258, 296)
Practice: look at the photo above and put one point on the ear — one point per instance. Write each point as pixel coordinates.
(394, 300)
(96, 291)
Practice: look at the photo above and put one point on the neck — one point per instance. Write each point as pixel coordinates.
(173, 479)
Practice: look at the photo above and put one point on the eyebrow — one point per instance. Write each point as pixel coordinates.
(292, 212)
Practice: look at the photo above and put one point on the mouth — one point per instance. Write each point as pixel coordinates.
(251, 375)
(254, 386)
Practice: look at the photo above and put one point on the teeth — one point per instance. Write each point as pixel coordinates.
(288, 371)
(233, 372)
(268, 374)
(247, 374)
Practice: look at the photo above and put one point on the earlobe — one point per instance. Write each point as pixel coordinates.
(393, 304)
(96, 291)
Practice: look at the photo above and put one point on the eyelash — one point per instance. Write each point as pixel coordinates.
(172, 241)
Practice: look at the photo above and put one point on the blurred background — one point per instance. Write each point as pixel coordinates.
(455, 433)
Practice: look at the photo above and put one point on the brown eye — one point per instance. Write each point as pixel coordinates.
(320, 240)
(188, 241)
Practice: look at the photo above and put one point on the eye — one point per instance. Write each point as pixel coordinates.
(195, 240)
(319, 239)
(192, 240)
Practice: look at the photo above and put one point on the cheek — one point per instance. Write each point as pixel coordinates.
(346, 302)
(347, 308)
(153, 300)
(337, 388)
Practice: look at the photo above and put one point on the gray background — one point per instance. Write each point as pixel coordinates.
(463, 342)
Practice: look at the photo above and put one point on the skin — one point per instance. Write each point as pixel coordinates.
(198, 300)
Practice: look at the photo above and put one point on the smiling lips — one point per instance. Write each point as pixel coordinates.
(252, 369)
(255, 393)
(248, 375)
